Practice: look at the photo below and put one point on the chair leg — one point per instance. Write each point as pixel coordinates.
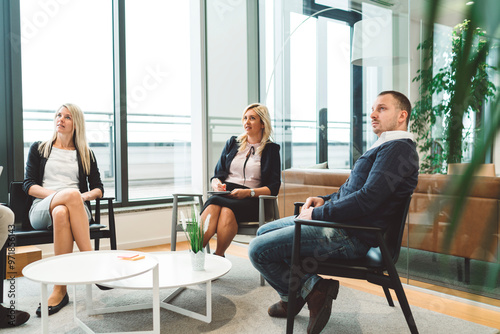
(262, 281)
(96, 244)
(403, 302)
(173, 233)
(388, 296)
(293, 286)
(396, 285)
(112, 227)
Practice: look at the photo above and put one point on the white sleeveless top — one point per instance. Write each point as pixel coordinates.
(61, 170)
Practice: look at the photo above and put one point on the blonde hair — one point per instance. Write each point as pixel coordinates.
(79, 137)
(265, 119)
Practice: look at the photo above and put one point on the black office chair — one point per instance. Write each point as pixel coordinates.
(268, 211)
(25, 235)
(372, 268)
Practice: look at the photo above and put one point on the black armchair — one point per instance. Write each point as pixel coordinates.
(372, 268)
(25, 235)
(268, 211)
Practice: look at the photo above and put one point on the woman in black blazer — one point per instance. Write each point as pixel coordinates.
(249, 166)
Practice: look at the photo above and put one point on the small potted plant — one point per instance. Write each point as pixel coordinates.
(195, 230)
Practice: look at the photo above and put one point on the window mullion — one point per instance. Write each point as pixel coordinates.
(120, 98)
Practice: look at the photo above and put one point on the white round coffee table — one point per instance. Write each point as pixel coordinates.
(89, 268)
(175, 272)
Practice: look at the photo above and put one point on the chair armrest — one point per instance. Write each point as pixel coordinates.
(262, 208)
(268, 197)
(336, 225)
(297, 207)
(97, 215)
(187, 195)
(111, 218)
(98, 204)
(104, 198)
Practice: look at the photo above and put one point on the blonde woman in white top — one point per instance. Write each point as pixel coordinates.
(61, 175)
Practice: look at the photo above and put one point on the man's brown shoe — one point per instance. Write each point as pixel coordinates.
(319, 302)
(280, 309)
(11, 317)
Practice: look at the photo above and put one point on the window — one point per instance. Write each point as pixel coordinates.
(67, 56)
(159, 108)
(66, 59)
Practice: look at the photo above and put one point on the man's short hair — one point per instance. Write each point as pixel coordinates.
(402, 100)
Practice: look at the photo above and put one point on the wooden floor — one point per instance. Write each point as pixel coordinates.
(467, 306)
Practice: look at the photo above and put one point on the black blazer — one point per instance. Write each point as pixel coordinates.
(35, 169)
(270, 164)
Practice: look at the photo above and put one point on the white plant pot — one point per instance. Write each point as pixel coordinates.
(197, 260)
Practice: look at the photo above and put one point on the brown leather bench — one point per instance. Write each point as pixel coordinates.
(478, 232)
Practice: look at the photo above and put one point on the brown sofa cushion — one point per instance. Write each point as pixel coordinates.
(484, 186)
(476, 237)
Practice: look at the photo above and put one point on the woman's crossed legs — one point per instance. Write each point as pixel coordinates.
(70, 223)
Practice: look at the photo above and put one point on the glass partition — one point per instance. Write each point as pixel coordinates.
(322, 78)
(463, 256)
(324, 62)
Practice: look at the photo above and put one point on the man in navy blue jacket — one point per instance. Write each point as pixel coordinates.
(381, 179)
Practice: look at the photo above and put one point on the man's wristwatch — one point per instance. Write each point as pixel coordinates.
(252, 193)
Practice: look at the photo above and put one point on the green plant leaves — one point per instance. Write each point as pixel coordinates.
(462, 85)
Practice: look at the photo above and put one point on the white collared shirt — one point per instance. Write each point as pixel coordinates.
(392, 135)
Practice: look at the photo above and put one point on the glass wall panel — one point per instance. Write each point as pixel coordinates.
(227, 74)
(67, 57)
(469, 261)
(303, 64)
(325, 67)
(339, 94)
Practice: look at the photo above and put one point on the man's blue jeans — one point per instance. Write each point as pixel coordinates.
(271, 252)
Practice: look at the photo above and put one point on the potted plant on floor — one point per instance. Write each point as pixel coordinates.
(195, 229)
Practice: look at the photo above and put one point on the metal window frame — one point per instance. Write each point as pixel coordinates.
(11, 118)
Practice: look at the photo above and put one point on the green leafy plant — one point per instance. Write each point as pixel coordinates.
(467, 41)
(195, 229)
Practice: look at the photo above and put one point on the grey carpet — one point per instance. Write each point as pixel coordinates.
(239, 306)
